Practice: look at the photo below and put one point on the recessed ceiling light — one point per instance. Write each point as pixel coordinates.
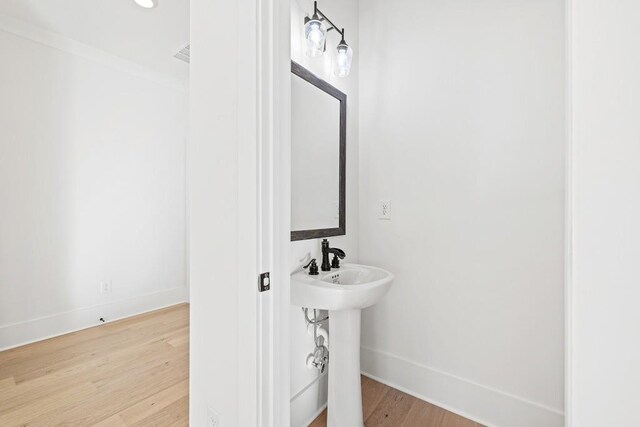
(147, 4)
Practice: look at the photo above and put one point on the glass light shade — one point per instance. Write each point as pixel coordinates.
(147, 4)
(315, 32)
(344, 55)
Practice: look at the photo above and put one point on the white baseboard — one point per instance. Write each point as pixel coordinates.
(22, 333)
(309, 402)
(471, 400)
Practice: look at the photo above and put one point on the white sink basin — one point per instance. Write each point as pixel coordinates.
(351, 286)
(344, 292)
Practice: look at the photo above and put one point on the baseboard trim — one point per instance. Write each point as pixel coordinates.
(34, 330)
(314, 416)
(309, 402)
(305, 388)
(474, 401)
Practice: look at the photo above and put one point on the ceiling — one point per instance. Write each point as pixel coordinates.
(149, 37)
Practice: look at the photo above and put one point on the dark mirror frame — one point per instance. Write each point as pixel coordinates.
(341, 230)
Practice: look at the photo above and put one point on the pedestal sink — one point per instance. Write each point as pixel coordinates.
(344, 292)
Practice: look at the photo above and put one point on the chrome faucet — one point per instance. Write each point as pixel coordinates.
(338, 254)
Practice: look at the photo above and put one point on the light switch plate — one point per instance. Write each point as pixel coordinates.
(384, 209)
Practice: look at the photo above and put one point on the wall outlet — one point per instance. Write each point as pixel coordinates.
(213, 420)
(384, 209)
(105, 287)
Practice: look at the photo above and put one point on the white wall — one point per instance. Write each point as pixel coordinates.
(223, 216)
(604, 291)
(308, 388)
(92, 189)
(213, 248)
(461, 127)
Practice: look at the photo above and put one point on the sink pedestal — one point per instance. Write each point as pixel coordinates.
(344, 292)
(345, 394)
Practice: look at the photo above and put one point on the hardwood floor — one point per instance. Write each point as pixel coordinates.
(126, 373)
(386, 406)
(135, 372)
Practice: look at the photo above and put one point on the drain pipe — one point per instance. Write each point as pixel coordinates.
(320, 356)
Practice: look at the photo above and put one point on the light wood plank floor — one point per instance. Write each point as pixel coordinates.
(126, 373)
(386, 406)
(135, 372)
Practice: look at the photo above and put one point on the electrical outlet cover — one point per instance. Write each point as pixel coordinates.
(384, 209)
(105, 287)
(213, 420)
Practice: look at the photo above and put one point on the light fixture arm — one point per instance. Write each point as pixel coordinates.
(319, 13)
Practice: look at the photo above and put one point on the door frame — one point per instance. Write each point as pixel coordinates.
(274, 212)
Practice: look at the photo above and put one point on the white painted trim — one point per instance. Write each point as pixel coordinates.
(262, 104)
(314, 416)
(30, 331)
(568, 255)
(309, 400)
(30, 32)
(253, 402)
(482, 404)
(306, 387)
(280, 48)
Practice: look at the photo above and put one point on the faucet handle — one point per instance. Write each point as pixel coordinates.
(335, 262)
(313, 267)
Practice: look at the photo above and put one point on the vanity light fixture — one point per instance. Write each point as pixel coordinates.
(147, 4)
(315, 33)
(344, 55)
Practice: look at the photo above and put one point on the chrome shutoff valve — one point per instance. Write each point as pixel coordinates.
(319, 358)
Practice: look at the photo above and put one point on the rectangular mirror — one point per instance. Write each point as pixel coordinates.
(318, 156)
